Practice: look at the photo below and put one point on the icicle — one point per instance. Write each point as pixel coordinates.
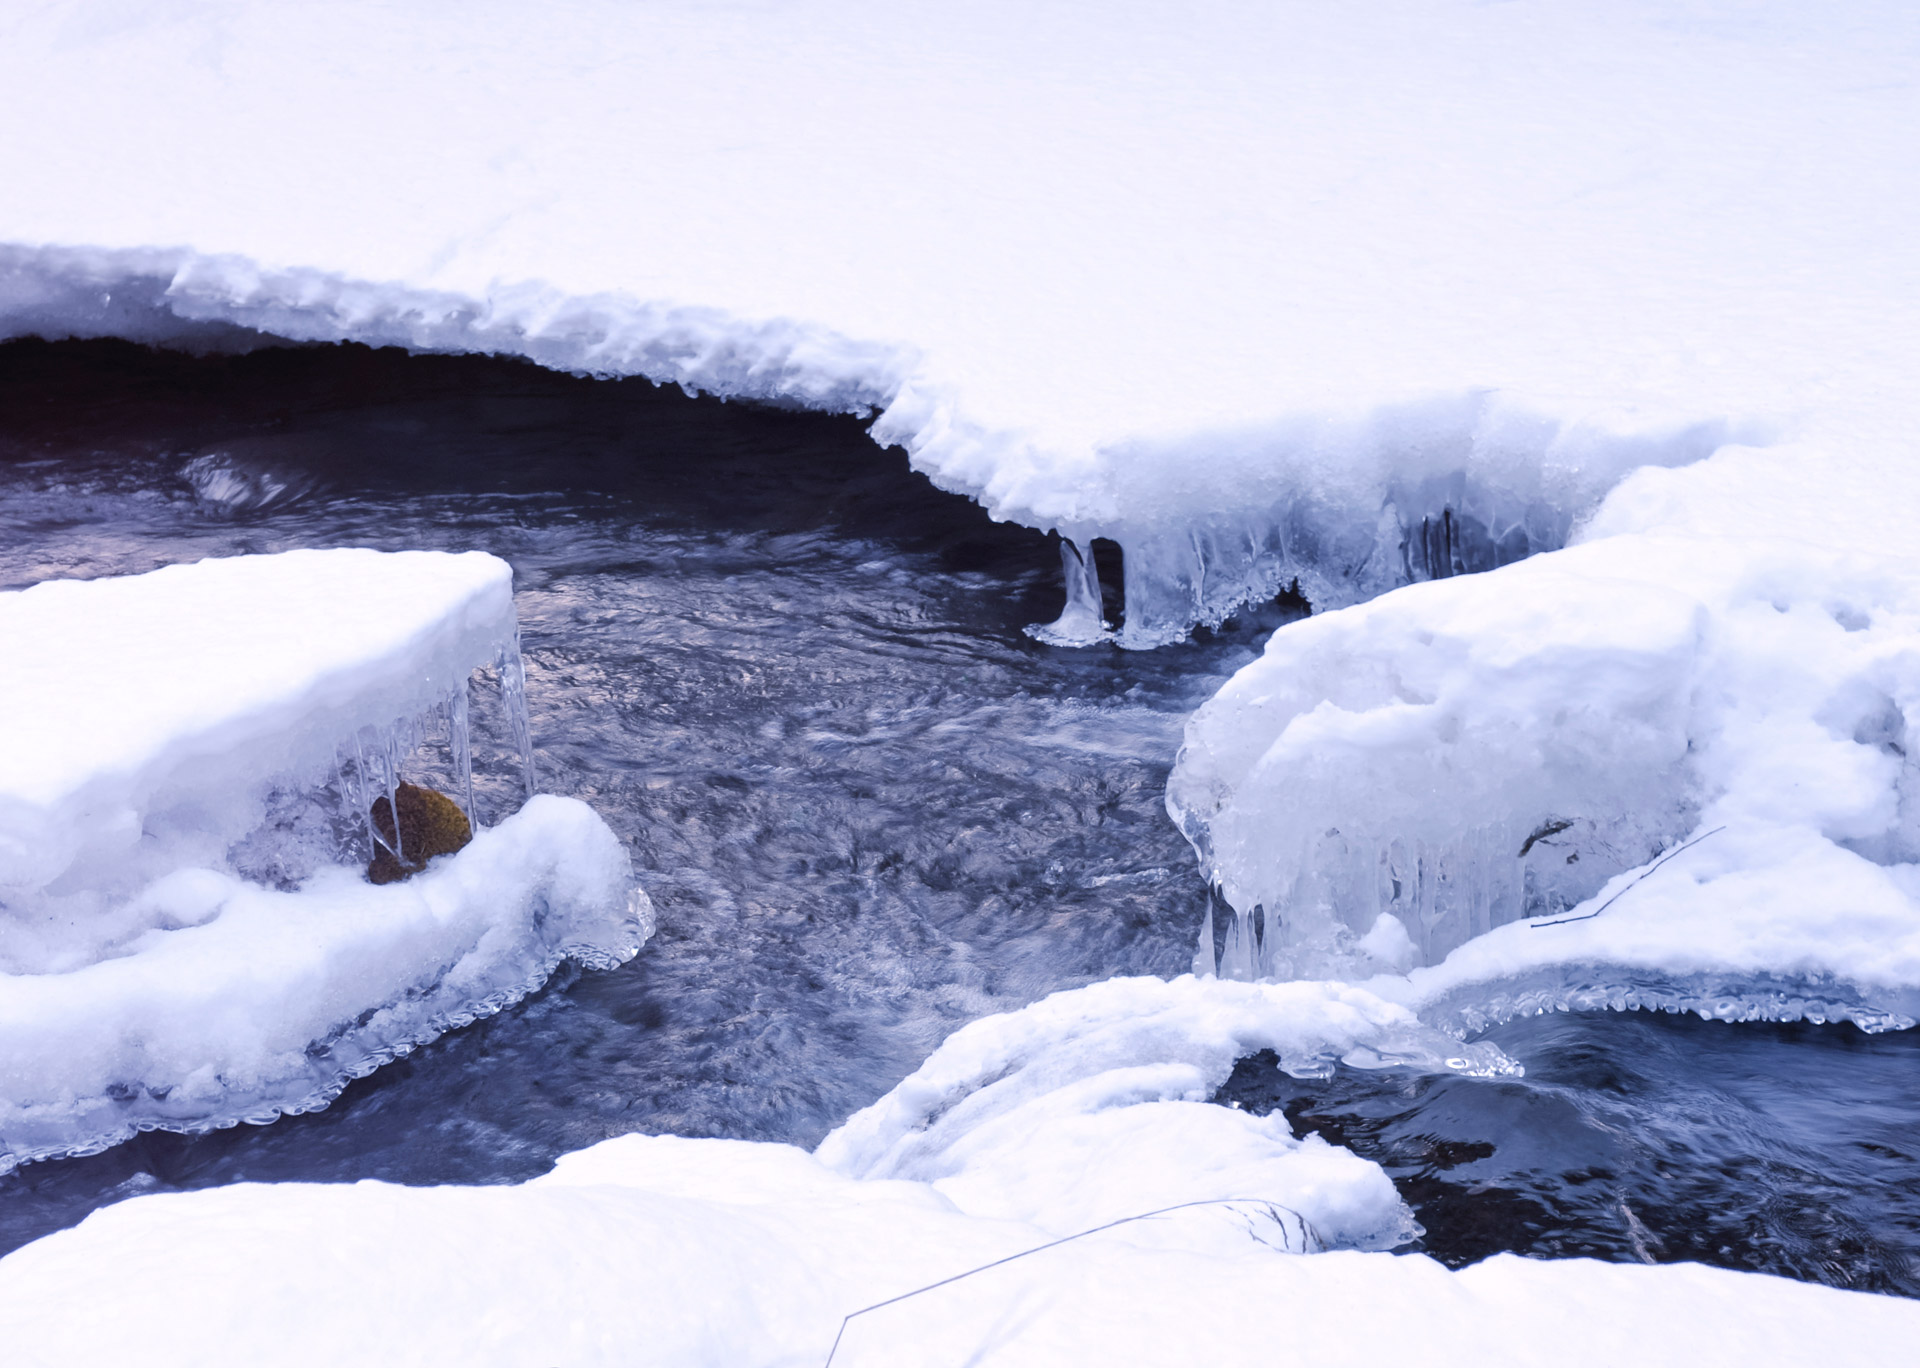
(1272, 945)
(349, 786)
(391, 772)
(1081, 622)
(460, 743)
(513, 693)
(1240, 960)
(363, 795)
(1204, 958)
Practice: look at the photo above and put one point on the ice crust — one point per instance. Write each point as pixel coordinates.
(1189, 280)
(242, 1003)
(722, 1251)
(186, 937)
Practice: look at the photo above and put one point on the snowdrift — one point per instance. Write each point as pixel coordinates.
(189, 757)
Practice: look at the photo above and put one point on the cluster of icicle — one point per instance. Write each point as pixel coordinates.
(368, 764)
(1352, 902)
(1428, 492)
(1207, 573)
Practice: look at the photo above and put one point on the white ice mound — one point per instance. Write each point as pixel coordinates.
(242, 1003)
(1092, 1105)
(187, 938)
(1530, 749)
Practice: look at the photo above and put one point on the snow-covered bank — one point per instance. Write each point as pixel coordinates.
(1731, 657)
(663, 1251)
(1261, 292)
(186, 936)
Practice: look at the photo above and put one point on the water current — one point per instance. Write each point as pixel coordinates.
(868, 807)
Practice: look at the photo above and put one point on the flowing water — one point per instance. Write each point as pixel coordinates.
(867, 806)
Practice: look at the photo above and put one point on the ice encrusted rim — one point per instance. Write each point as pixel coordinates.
(1712, 995)
(587, 956)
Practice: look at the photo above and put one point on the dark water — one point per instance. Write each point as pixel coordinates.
(868, 808)
(1792, 1149)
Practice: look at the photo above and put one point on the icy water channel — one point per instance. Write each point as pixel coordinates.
(867, 807)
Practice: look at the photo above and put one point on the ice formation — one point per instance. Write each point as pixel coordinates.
(190, 758)
(1017, 1130)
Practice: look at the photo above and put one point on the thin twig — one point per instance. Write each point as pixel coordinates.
(1589, 916)
(1271, 1206)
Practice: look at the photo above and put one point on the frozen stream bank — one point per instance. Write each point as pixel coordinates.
(794, 680)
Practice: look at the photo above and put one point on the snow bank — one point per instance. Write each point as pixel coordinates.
(187, 758)
(1353, 296)
(1092, 1104)
(1730, 657)
(715, 1251)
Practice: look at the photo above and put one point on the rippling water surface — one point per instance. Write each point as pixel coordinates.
(868, 808)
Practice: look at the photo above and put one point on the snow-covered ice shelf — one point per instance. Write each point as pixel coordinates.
(165, 737)
(196, 685)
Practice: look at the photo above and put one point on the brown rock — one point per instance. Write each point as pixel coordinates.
(430, 824)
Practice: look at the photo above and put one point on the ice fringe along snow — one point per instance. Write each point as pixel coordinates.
(1020, 1129)
(1335, 511)
(186, 940)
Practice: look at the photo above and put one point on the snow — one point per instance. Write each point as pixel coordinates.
(669, 1251)
(1361, 297)
(1253, 289)
(186, 937)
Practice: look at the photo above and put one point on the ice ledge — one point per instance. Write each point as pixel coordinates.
(178, 297)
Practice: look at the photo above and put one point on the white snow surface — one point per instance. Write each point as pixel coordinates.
(1092, 1104)
(153, 730)
(658, 1250)
(1252, 288)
